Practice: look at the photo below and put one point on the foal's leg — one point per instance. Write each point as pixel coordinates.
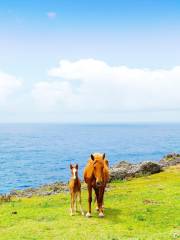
(88, 214)
(72, 203)
(75, 198)
(79, 193)
(71, 209)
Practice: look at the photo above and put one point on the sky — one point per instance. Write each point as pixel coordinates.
(89, 61)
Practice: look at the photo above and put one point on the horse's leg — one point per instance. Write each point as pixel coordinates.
(80, 205)
(88, 214)
(96, 197)
(103, 199)
(100, 201)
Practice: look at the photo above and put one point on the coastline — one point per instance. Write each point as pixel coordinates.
(123, 170)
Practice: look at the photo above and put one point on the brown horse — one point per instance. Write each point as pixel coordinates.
(75, 189)
(96, 176)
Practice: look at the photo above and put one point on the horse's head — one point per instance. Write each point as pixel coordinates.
(98, 164)
(74, 171)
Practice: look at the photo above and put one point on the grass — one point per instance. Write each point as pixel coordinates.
(141, 209)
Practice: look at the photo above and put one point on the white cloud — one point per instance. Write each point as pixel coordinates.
(51, 15)
(90, 85)
(48, 95)
(8, 86)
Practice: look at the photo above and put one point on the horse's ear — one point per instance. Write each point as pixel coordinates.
(71, 166)
(76, 166)
(92, 157)
(107, 163)
(104, 155)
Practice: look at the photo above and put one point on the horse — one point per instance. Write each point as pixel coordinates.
(95, 200)
(75, 189)
(96, 176)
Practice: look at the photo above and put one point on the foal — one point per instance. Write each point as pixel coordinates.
(75, 189)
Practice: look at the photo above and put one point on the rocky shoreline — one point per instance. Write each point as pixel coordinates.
(125, 170)
(121, 170)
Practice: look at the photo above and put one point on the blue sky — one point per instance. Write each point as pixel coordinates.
(36, 35)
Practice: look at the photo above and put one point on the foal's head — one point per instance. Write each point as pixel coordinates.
(74, 171)
(98, 164)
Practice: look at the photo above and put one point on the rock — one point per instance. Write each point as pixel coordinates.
(122, 164)
(5, 198)
(119, 170)
(124, 170)
(45, 190)
(14, 212)
(117, 174)
(172, 156)
(171, 159)
(150, 168)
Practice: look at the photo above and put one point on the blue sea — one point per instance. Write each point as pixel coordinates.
(35, 154)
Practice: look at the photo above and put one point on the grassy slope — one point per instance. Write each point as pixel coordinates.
(143, 208)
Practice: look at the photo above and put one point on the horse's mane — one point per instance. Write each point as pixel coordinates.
(88, 171)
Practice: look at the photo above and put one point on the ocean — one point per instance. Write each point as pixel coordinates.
(35, 154)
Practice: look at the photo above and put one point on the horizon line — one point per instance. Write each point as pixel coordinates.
(94, 123)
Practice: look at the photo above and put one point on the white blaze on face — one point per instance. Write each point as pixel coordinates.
(74, 172)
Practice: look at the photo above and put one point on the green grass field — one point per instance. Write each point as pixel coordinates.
(143, 208)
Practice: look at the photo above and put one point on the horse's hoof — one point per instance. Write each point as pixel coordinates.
(97, 209)
(82, 213)
(101, 214)
(71, 214)
(88, 214)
